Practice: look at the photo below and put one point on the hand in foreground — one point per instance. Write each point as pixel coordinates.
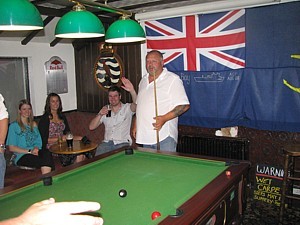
(48, 212)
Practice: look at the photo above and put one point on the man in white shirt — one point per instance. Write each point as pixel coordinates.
(3, 132)
(172, 102)
(117, 122)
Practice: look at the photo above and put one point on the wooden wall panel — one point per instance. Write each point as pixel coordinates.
(91, 97)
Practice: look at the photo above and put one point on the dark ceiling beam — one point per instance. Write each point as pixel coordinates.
(106, 20)
(145, 5)
(55, 41)
(32, 34)
(53, 12)
(103, 16)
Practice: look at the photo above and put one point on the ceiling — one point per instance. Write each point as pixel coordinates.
(51, 10)
(60, 7)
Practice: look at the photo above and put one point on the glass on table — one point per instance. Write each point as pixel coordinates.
(59, 139)
(69, 138)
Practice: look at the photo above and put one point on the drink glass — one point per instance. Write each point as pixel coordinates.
(59, 139)
(109, 111)
(69, 138)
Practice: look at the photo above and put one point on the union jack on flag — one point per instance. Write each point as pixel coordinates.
(211, 42)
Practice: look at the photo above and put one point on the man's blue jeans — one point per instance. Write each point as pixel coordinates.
(168, 144)
(109, 146)
(2, 169)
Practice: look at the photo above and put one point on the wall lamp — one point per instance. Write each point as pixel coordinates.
(19, 15)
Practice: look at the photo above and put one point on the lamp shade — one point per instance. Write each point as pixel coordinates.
(19, 15)
(79, 24)
(124, 30)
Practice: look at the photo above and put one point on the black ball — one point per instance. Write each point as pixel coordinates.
(122, 193)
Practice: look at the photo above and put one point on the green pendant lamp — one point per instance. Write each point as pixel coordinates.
(19, 15)
(125, 30)
(79, 23)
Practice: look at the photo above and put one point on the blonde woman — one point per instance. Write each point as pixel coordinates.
(24, 140)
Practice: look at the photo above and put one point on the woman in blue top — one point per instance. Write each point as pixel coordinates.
(25, 141)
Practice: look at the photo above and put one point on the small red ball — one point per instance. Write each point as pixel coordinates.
(155, 215)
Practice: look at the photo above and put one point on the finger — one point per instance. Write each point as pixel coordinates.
(77, 207)
(46, 202)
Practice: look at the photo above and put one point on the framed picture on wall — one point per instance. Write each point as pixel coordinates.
(56, 75)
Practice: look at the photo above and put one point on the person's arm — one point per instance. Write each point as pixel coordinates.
(127, 85)
(48, 212)
(97, 119)
(17, 149)
(37, 143)
(43, 126)
(12, 139)
(134, 127)
(177, 111)
(67, 127)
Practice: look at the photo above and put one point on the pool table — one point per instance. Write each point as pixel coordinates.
(185, 189)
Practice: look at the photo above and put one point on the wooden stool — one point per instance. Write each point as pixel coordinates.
(290, 174)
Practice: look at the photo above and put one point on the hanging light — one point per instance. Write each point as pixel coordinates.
(124, 30)
(19, 15)
(79, 23)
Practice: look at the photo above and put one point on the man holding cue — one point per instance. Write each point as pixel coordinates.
(161, 99)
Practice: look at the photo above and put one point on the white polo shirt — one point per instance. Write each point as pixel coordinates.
(170, 93)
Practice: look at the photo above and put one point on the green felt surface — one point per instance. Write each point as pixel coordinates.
(154, 182)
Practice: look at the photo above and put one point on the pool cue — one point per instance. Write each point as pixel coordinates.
(156, 112)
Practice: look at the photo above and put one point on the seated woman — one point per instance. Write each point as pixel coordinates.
(54, 125)
(24, 140)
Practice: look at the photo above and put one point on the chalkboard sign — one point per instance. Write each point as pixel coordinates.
(268, 184)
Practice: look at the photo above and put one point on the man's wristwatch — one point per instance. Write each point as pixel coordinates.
(29, 151)
(2, 148)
